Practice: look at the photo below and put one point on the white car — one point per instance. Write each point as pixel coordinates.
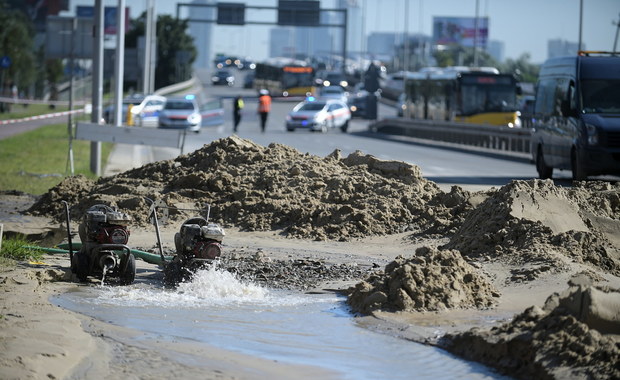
(319, 115)
(333, 92)
(181, 113)
(146, 114)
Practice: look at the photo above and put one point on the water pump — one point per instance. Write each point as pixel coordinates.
(197, 243)
(104, 252)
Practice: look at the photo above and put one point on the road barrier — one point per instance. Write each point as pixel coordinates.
(507, 141)
(173, 138)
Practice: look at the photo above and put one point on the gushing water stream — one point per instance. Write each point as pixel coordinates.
(219, 310)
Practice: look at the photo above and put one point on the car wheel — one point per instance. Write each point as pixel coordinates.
(290, 129)
(579, 172)
(345, 127)
(324, 128)
(544, 171)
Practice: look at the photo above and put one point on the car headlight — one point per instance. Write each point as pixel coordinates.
(288, 118)
(214, 79)
(592, 132)
(344, 83)
(230, 79)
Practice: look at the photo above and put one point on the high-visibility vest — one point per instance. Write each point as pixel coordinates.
(264, 103)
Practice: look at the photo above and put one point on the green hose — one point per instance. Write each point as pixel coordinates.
(64, 248)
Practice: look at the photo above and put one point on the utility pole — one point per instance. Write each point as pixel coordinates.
(476, 37)
(95, 146)
(580, 23)
(119, 63)
(617, 24)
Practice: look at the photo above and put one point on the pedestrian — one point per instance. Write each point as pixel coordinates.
(264, 107)
(237, 107)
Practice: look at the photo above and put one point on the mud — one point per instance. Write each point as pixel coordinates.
(431, 280)
(533, 228)
(558, 341)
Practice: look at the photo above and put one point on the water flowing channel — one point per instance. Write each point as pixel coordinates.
(219, 310)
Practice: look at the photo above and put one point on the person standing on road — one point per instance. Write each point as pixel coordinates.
(264, 107)
(237, 107)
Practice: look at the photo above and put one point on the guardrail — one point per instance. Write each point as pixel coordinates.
(173, 138)
(507, 141)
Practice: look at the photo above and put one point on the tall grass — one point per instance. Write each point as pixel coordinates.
(37, 160)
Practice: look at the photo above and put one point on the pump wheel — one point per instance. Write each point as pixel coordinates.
(129, 275)
(79, 265)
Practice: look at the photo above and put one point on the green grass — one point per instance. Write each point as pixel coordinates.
(18, 111)
(35, 161)
(17, 248)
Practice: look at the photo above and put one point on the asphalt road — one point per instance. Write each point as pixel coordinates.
(445, 166)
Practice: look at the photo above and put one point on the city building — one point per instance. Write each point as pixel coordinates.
(202, 32)
(560, 48)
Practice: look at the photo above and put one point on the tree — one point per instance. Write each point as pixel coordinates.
(16, 41)
(463, 56)
(172, 39)
(172, 42)
(522, 69)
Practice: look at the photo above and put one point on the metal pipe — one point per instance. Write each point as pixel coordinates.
(68, 230)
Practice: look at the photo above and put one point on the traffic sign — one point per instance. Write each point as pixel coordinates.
(5, 62)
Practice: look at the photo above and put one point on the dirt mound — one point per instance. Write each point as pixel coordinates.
(275, 188)
(431, 280)
(557, 342)
(536, 222)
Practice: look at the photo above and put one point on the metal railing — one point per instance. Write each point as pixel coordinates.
(497, 139)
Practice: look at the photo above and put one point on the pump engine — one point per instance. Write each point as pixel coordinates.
(104, 252)
(197, 243)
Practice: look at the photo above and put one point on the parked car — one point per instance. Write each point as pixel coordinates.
(109, 111)
(333, 92)
(319, 115)
(181, 113)
(146, 114)
(223, 77)
(212, 112)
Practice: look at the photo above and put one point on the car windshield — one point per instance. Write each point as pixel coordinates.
(313, 106)
(600, 95)
(174, 105)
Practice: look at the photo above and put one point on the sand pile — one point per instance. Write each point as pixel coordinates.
(275, 188)
(431, 280)
(565, 339)
(537, 223)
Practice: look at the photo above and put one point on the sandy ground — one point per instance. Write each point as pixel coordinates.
(40, 340)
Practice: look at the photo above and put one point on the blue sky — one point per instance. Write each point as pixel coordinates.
(524, 26)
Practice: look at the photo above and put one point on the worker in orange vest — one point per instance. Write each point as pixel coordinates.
(264, 107)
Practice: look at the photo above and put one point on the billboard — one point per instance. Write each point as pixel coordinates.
(460, 31)
(109, 17)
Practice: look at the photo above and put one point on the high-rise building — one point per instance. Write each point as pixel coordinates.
(496, 49)
(354, 24)
(202, 31)
(560, 48)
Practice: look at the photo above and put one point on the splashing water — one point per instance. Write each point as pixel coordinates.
(209, 287)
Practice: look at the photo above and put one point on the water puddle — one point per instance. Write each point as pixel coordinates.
(217, 309)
